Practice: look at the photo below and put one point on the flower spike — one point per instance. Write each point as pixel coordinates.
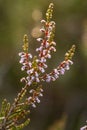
(70, 53)
(49, 12)
(25, 40)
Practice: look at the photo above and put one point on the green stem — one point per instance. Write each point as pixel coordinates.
(12, 108)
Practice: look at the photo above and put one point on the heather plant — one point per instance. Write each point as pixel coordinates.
(15, 116)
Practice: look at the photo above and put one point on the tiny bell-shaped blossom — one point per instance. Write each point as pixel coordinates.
(47, 44)
(23, 68)
(43, 21)
(52, 49)
(33, 105)
(22, 79)
(39, 39)
(37, 100)
(42, 70)
(48, 56)
(55, 71)
(42, 60)
(31, 91)
(37, 80)
(42, 30)
(62, 71)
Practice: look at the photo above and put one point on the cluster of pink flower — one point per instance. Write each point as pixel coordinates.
(35, 96)
(38, 65)
(25, 60)
(35, 66)
(47, 43)
(60, 70)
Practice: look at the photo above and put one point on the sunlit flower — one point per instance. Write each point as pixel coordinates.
(35, 67)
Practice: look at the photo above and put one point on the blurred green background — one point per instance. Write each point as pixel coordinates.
(64, 105)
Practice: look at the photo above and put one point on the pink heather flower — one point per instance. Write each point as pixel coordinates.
(21, 53)
(31, 91)
(30, 56)
(53, 78)
(44, 52)
(67, 67)
(41, 90)
(30, 98)
(48, 78)
(44, 65)
(43, 21)
(30, 71)
(22, 79)
(37, 100)
(52, 49)
(42, 30)
(39, 49)
(48, 56)
(22, 60)
(29, 83)
(47, 44)
(23, 68)
(42, 60)
(37, 80)
(53, 43)
(33, 105)
(56, 71)
(42, 70)
(62, 71)
(30, 64)
(56, 76)
(40, 94)
(32, 78)
(71, 62)
(36, 74)
(39, 39)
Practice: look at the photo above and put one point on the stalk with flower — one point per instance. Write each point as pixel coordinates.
(34, 67)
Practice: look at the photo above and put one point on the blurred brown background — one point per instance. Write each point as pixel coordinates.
(64, 105)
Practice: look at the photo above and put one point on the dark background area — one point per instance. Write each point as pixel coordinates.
(64, 104)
